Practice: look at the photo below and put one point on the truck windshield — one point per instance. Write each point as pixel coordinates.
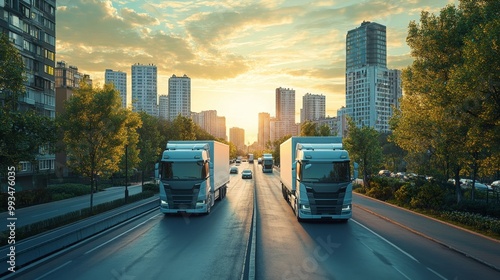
(336, 172)
(183, 170)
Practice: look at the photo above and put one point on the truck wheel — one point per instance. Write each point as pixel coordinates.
(296, 210)
(209, 204)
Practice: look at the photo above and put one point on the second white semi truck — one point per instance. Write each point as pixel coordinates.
(192, 175)
(315, 177)
(267, 163)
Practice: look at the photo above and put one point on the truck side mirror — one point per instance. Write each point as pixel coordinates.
(157, 171)
(356, 166)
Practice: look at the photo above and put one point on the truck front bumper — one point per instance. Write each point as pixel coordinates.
(165, 209)
(345, 215)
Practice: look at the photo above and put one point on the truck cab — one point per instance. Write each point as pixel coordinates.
(323, 181)
(184, 175)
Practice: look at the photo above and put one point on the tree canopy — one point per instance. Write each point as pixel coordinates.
(363, 146)
(22, 133)
(96, 130)
(451, 106)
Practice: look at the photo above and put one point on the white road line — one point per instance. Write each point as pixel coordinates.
(54, 270)
(118, 236)
(437, 274)
(400, 272)
(387, 241)
(251, 268)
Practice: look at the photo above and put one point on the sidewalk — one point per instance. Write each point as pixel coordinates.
(40, 212)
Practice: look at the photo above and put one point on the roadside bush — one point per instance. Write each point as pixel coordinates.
(474, 220)
(379, 191)
(69, 188)
(154, 188)
(429, 197)
(404, 194)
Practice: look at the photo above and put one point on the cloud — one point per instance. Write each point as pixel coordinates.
(120, 37)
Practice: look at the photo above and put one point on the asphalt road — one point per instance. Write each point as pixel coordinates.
(216, 246)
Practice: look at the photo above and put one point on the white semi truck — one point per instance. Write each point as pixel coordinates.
(267, 163)
(315, 177)
(192, 175)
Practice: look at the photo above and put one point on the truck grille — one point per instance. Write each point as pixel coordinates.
(184, 198)
(326, 203)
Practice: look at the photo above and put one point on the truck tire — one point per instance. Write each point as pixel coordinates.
(296, 211)
(209, 205)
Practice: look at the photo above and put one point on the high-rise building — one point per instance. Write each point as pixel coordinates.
(144, 89)
(221, 128)
(313, 107)
(366, 45)
(163, 107)
(285, 112)
(264, 131)
(179, 96)
(371, 88)
(119, 80)
(237, 137)
(211, 123)
(31, 28)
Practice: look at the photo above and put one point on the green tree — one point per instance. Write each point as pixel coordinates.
(451, 89)
(324, 130)
(364, 148)
(151, 142)
(183, 128)
(22, 131)
(309, 128)
(96, 129)
(12, 77)
(276, 148)
(130, 159)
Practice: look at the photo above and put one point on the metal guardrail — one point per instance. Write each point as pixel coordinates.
(34, 248)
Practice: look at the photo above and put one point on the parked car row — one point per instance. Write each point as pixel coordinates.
(464, 183)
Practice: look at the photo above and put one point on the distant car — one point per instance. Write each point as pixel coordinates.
(495, 185)
(233, 170)
(386, 173)
(246, 174)
(479, 186)
(259, 161)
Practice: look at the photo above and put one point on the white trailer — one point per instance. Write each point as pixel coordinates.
(315, 177)
(192, 175)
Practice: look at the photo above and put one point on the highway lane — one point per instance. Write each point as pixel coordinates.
(165, 247)
(367, 247)
(215, 246)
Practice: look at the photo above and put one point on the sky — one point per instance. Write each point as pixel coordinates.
(235, 52)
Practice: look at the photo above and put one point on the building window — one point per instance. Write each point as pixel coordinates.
(49, 70)
(25, 166)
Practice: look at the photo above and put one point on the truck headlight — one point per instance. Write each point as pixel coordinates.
(346, 207)
(164, 204)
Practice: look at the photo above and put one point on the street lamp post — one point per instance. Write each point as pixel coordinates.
(126, 173)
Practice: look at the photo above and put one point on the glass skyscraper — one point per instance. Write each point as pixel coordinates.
(371, 88)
